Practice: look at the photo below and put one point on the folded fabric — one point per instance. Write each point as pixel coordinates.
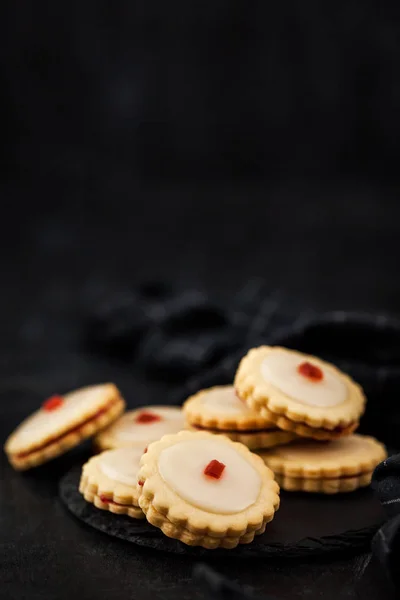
(217, 587)
(386, 542)
(179, 333)
(189, 337)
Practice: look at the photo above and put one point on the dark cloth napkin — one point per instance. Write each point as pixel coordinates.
(217, 587)
(193, 340)
(386, 542)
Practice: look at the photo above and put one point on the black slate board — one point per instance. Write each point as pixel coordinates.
(305, 525)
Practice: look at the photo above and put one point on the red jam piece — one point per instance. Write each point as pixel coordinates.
(147, 417)
(104, 499)
(214, 469)
(141, 483)
(53, 403)
(145, 450)
(310, 371)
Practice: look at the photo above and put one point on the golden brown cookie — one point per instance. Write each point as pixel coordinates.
(109, 481)
(219, 410)
(253, 439)
(341, 465)
(140, 427)
(62, 423)
(300, 393)
(301, 430)
(206, 490)
(191, 539)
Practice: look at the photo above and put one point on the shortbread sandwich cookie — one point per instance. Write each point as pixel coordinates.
(300, 393)
(206, 490)
(219, 410)
(62, 423)
(342, 465)
(140, 427)
(109, 481)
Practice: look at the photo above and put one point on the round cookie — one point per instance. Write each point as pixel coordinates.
(141, 427)
(253, 440)
(300, 393)
(220, 410)
(109, 481)
(62, 423)
(341, 465)
(206, 490)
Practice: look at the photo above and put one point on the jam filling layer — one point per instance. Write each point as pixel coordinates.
(57, 438)
(108, 501)
(244, 431)
(338, 429)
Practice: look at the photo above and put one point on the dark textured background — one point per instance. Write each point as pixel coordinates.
(204, 144)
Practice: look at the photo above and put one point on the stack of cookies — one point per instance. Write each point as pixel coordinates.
(199, 488)
(288, 420)
(202, 489)
(299, 414)
(220, 410)
(205, 490)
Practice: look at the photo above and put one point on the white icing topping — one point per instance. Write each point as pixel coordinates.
(76, 407)
(127, 431)
(182, 468)
(280, 369)
(224, 401)
(121, 465)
